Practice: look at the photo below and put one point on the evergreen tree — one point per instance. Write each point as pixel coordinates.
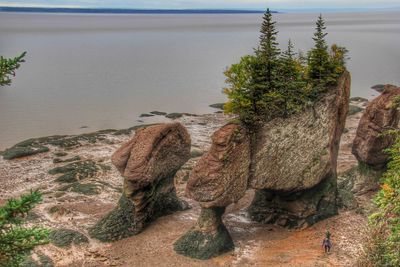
(8, 67)
(319, 67)
(291, 82)
(16, 241)
(268, 53)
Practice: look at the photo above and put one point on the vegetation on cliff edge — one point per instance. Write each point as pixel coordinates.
(383, 246)
(271, 83)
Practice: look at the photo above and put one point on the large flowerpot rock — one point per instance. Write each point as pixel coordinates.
(381, 114)
(294, 162)
(148, 163)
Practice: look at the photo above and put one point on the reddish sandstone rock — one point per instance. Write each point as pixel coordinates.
(295, 159)
(297, 153)
(380, 115)
(221, 176)
(148, 164)
(153, 153)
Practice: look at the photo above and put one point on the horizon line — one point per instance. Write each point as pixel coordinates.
(179, 10)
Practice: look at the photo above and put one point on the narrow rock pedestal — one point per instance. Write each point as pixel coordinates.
(208, 238)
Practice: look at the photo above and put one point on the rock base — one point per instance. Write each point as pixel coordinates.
(296, 210)
(208, 238)
(133, 214)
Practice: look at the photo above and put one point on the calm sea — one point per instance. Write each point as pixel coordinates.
(103, 71)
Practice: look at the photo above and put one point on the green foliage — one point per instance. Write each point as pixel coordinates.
(8, 66)
(272, 83)
(384, 246)
(244, 100)
(17, 241)
(268, 53)
(318, 57)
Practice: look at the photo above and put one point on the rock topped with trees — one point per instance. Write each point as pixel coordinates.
(271, 83)
(292, 112)
(381, 115)
(148, 163)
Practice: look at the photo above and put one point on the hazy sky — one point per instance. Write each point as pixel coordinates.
(182, 4)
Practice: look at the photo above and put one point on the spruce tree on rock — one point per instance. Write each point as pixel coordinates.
(291, 82)
(319, 67)
(268, 53)
(265, 72)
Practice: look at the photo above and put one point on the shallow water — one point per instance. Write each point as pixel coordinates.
(103, 71)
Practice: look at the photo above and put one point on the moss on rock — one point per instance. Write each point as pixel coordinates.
(199, 245)
(88, 189)
(174, 115)
(354, 110)
(18, 152)
(66, 237)
(358, 99)
(209, 237)
(41, 261)
(118, 224)
(58, 160)
(60, 154)
(75, 171)
(159, 113)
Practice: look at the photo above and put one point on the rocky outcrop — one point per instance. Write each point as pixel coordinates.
(294, 163)
(148, 163)
(221, 176)
(291, 162)
(381, 114)
(219, 179)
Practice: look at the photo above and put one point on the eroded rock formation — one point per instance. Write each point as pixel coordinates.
(295, 159)
(291, 162)
(219, 179)
(381, 114)
(148, 163)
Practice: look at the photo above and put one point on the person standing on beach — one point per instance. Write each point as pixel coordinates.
(326, 243)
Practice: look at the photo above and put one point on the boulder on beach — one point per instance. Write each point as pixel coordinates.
(381, 114)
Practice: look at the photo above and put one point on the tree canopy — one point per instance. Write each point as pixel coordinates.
(273, 83)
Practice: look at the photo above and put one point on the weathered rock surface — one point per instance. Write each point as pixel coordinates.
(221, 176)
(381, 115)
(294, 165)
(148, 163)
(297, 153)
(219, 179)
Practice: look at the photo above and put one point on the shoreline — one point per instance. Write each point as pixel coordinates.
(77, 205)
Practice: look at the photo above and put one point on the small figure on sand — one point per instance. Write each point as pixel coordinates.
(326, 243)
